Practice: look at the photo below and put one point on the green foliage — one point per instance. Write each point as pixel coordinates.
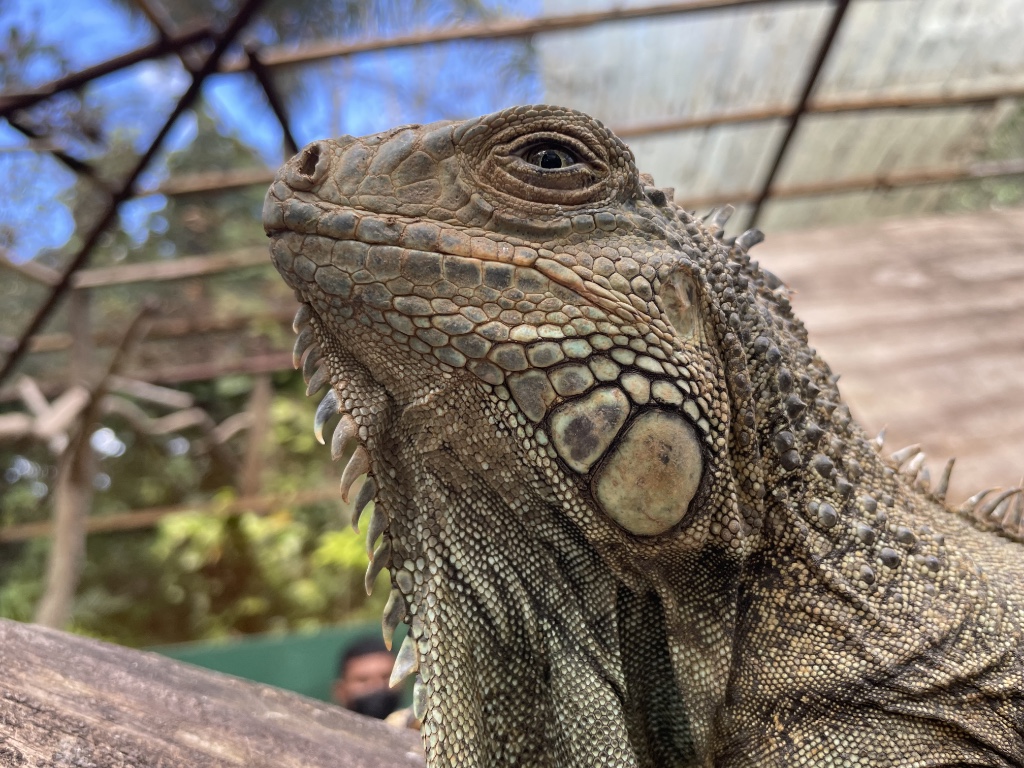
(210, 574)
(222, 576)
(21, 586)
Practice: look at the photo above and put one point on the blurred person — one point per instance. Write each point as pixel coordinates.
(364, 668)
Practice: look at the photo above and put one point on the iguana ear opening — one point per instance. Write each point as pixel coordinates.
(691, 307)
(679, 302)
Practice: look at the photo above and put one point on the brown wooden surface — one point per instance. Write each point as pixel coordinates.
(924, 320)
(69, 701)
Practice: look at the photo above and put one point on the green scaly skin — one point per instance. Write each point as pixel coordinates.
(624, 509)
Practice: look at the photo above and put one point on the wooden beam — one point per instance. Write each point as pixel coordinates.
(215, 181)
(172, 269)
(14, 426)
(499, 29)
(250, 476)
(172, 328)
(898, 180)
(152, 393)
(73, 493)
(126, 190)
(147, 518)
(270, 362)
(13, 101)
(981, 98)
(800, 108)
(267, 362)
(67, 700)
(33, 270)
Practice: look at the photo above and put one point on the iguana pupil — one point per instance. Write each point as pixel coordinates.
(551, 158)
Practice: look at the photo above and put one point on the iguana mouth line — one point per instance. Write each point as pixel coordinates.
(348, 224)
(461, 311)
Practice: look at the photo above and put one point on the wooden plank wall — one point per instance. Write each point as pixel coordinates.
(924, 320)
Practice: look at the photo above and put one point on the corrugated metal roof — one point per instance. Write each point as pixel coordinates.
(690, 65)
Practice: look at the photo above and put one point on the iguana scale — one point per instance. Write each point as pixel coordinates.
(625, 511)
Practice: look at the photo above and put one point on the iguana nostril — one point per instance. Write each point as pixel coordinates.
(310, 157)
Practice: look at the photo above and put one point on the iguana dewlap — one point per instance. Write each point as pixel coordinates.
(626, 514)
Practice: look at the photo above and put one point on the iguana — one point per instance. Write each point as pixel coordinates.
(626, 514)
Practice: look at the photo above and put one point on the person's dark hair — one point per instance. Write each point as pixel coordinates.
(362, 647)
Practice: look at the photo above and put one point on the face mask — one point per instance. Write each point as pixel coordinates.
(378, 704)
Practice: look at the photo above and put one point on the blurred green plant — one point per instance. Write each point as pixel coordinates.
(207, 574)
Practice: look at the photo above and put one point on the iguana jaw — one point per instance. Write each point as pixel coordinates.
(559, 623)
(419, 500)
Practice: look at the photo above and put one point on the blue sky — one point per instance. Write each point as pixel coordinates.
(363, 94)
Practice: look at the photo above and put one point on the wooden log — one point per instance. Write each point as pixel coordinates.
(70, 701)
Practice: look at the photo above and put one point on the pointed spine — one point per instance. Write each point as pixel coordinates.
(943, 487)
(924, 480)
(302, 343)
(302, 316)
(394, 614)
(406, 662)
(380, 558)
(1012, 522)
(328, 407)
(899, 457)
(366, 493)
(317, 380)
(311, 363)
(991, 510)
(358, 465)
(378, 522)
(345, 431)
(968, 507)
(915, 464)
(749, 239)
(718, 217)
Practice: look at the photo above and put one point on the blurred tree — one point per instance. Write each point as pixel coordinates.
(197, 575)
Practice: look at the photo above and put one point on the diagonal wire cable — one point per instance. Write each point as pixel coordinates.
(801, 107)
(73, 164)
(287, 55)
(263, 77)
(242, 18)
(10, 103)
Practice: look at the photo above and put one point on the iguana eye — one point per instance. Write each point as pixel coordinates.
(549, 157)
(542, 166)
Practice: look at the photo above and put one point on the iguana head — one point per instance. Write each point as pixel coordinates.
(550, 373)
